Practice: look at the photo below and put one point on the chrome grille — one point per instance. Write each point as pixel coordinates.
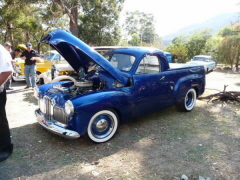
(55, 113)
(59, 115)
(48, 114)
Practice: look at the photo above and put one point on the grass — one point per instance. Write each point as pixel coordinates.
(163, 145)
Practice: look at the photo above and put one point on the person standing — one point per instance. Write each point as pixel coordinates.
(8, 84)
(31, 57)
(6, 147)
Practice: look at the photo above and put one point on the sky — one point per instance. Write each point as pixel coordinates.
(173, 15)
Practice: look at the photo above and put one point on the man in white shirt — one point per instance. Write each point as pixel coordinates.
(8, 83)
(6, 147)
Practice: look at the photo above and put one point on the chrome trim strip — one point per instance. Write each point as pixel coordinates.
(56, 129)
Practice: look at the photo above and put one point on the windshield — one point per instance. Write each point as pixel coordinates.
(123, 62)
(49, 56)
(201, 59)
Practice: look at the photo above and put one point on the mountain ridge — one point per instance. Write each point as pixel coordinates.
(215, 23)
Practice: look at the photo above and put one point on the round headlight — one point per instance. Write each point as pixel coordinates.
(69, 108)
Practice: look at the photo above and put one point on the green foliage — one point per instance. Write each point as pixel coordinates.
(99, 22)
(21, 22)
(212, 45)
(157, 42)
(226, 31)
(142, 24)
(223, 46)
(178, 49)
(135, 41)
(183, 48)
(229, 49)
(197, 42)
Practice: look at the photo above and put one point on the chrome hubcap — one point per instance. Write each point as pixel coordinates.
(101, 125)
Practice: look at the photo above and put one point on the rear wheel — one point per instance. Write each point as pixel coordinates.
(189, 101)
(102, 126)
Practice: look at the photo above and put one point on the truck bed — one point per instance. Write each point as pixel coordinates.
(181, 65)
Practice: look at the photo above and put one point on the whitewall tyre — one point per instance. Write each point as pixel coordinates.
(102, 126)
(189, 101)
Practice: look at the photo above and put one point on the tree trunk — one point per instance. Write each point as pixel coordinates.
(27, 36)
(9, 27)
(73, 21)
(237, 62)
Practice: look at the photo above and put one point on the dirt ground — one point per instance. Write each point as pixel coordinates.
(160, 146)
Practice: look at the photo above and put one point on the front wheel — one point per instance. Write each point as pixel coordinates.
(189, 101)
(102, 126)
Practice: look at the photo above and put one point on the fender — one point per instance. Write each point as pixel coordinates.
(187, 82)
(63, 78)
(89, 104)
(44, 78)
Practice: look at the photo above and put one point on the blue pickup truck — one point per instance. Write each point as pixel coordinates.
(112, 89)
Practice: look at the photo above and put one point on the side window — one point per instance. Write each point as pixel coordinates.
(148, 65)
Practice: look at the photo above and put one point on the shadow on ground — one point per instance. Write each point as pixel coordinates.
(159, 146)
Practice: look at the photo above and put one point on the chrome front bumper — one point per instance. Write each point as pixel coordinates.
(55, 127)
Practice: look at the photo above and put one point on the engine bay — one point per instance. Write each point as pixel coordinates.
(79, 87)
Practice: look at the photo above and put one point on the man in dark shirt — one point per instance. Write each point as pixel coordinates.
(31, 57)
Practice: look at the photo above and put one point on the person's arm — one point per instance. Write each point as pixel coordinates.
(37, 59)
(4, 77)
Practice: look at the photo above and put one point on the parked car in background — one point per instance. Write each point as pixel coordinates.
(207, 61)
(113, 89)
(51, 57)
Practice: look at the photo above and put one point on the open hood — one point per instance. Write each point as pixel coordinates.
(80, 55)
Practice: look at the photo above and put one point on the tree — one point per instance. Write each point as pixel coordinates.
(70, 8)
(20, 20)
(157, 42)
(229, 50)
(99, 22)
(142, 24)
(178, 49)
(212, 45)
(135, 41)
(179, 53)
(196, 43)
(226, 31)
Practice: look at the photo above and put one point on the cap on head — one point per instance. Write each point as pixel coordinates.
(7, 44)
(28, 45)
